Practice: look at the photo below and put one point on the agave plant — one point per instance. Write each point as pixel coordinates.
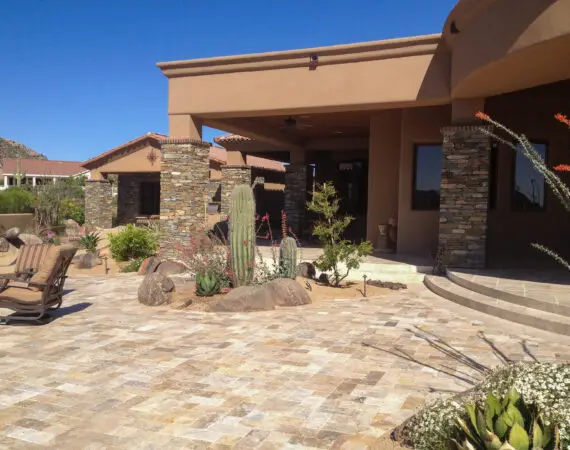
(208, 284)
(90, 242)
(507, 424)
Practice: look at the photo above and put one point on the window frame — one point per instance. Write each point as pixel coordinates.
(417, 146)
(512, 204)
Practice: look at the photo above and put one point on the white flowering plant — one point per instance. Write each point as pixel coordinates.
(544, 386)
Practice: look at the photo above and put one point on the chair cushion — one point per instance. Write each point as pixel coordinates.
(20, 294)
(30, 257)
(47, 267)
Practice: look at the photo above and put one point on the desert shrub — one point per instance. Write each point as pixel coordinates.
(72, 209)
(90, 242)
(16, 200)
(54, 202)
(133, 265)
(133, 242)
(543, 387)
(329, 229)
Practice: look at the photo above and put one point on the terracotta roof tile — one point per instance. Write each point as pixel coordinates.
(230, 138)
(42, 167)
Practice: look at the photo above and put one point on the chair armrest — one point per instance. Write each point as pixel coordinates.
(36, 283)
(9, 277)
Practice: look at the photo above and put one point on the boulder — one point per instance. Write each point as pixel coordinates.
(170, 268)
(149, 265)
(306, 270)
(12, 233)
(156, 289)
(244, 299)
(287, 292)
(71, 223)
(88, 261)
(30, 239)
(323, 278)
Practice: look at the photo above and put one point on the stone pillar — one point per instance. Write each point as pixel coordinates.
(464, 196)
(98, 203)
(232, 176)
(184, 180)
(128, 199)
(296, 196)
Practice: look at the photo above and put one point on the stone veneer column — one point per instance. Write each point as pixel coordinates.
(296, 196)
(98, 203)
(128, 198)
(184, 181)
(464, 196)
(232, 176)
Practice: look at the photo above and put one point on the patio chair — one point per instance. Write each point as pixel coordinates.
(31, 299)
(27, 263)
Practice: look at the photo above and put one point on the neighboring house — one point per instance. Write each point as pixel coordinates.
(392, 123)
(138, 164)
(37, 171)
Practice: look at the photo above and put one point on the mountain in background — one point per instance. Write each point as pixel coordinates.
(13, 149)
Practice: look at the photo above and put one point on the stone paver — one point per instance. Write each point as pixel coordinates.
(111, 373)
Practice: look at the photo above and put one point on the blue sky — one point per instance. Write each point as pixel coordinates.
(79, 77)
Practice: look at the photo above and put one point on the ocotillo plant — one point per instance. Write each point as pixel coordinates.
(242, 235)
(288, 257)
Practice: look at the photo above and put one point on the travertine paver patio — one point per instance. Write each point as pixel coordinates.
(111, 373)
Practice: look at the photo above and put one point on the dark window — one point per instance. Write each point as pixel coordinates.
(528, 186)
(150, 199)
(428, 161)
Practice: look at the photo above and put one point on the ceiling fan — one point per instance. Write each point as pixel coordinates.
(292, 123)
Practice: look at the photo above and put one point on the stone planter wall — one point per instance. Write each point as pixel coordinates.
(464, 196)
(184, 187)
(98, 203)
(231, 177)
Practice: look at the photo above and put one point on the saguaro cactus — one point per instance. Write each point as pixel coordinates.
(242, 235)
(288, 257)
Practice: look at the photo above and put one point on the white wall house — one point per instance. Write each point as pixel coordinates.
(38, 171)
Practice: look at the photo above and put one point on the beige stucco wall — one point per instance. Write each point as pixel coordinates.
(418, 230)
(137, 161)
(24, 222)
(383, 170)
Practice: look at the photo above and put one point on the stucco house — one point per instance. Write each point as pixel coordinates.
(137, 165)
(392, 122)
(37, 171)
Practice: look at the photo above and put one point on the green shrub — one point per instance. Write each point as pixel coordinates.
(133, 266)
(72, 209)
(90, 242)
(16, 200)
(329, 229)
(132, 243)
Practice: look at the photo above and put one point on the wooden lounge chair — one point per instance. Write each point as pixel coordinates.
(33, 297)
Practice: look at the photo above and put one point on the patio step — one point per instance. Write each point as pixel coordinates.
(542, 320)
(462, 279)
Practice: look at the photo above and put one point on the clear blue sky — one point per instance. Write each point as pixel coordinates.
(78, 77)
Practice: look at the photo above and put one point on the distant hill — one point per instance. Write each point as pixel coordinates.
(13, 149)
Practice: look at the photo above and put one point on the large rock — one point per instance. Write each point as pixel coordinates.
(244, 299)
(156, 289)
(149, 265)
(12, 233)
(170, 268)
(306, 270)
(30, 239)
(88, 261)
(287, 292)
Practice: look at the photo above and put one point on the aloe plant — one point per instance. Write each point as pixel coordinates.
(90, 242)
(207, 284)
(507, 424)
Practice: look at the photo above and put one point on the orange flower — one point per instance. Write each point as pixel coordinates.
(481, 115)
(562, 168)
(562, 118)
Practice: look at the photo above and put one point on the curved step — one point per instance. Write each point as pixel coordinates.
(488, 291)
(498, 308)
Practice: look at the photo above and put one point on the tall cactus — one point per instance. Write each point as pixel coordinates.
(242, 235)
(288, 257)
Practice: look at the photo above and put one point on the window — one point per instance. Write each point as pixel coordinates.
(528, 183)
(428, 161)
(150, 198)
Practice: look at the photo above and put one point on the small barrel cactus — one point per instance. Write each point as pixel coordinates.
(207, 284)
(242, 235)
(288, 257)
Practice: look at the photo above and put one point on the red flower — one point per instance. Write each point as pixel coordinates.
(562, 168)
(265, 218)
(562, 118)
(481, 115)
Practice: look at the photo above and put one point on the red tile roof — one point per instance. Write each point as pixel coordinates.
(31, 166)
(230, 138)
(216, 153)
